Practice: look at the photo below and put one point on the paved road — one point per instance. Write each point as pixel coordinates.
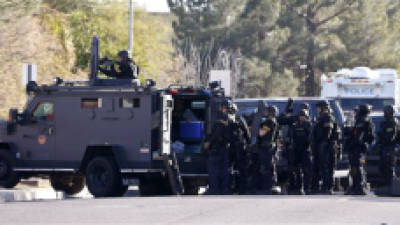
(206, 210)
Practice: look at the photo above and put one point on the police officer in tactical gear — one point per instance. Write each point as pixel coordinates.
(326, 134)
(218, 153)
(361, 136)
(286, 121)
(305, 106)
(266, 150)
(387, 138)
(300, 134)
(126, 68)
(287, 118)
(240, 138)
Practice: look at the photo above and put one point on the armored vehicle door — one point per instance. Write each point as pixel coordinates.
(166, 119)
(37, 139)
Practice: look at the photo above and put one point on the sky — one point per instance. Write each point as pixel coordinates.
(153, 5)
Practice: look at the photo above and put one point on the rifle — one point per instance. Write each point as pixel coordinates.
(289, 106)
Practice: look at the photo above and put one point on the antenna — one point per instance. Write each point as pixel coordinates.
(94, 60)
(130, 29)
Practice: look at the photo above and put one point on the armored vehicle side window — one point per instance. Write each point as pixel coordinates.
(44, 111)
(198, 105)
(91, 103)
(130, 102)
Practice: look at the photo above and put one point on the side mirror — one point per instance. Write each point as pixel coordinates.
(12, 120)
(150, 83)
(16, 118)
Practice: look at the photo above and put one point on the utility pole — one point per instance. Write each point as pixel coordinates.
(131, 24)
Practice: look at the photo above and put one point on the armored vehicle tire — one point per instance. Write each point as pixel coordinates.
(8, 177)
(151, 186)
(102, 177)
(70, 184)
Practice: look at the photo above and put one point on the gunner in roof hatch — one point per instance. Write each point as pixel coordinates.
(125, 67)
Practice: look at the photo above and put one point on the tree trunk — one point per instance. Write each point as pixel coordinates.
(310, 79)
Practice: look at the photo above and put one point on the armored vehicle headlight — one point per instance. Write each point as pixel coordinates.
(150, 83)
(58, 81)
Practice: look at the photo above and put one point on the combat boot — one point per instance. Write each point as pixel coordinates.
(327, 192)
(359, 191)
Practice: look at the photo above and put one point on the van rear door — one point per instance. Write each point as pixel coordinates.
(167, 105)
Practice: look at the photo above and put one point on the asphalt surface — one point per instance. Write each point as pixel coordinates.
(206, 210)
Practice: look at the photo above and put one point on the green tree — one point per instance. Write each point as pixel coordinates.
(367, 36)
(262, 80)
(260, 38)
(312, 25)
(203, 26)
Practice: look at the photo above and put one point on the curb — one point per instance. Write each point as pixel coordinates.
(30, 195)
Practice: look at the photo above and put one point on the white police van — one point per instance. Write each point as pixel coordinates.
(362, 85)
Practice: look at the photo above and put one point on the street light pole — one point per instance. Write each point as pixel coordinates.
(130, 29)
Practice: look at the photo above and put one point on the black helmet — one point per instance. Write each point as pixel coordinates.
(232, 107)
(225, 103)
(305, 106)
(273, 110)
(363, 109)
(304, 113)
(123, 53)
(388, 110)
(323, 104)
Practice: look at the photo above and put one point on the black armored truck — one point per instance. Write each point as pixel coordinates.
(108, 133)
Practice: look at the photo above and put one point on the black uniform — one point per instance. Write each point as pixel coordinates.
(125, 70)
(301, 176)
(218, 157)
(388, 137)
(326, 134)
(286, 122)
(357, 146)
(240, 137)
(266, 149)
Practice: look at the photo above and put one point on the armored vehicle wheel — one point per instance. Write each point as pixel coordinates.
(8, 177)
(103, 177)
(70, 184)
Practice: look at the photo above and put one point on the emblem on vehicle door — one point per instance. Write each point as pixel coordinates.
(42, 139)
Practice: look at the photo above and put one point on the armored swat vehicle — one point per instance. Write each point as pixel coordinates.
(107, 133)
(103, 131)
